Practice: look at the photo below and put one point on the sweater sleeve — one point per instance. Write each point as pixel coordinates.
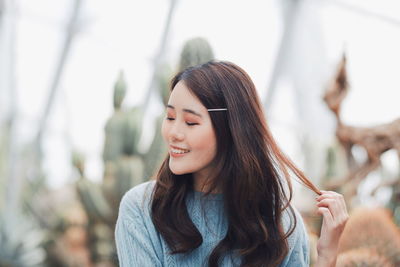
(299, 251)
(133, 240)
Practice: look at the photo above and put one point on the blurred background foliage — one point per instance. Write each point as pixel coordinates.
(72, 224)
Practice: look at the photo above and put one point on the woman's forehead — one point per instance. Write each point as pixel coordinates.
(182, 98)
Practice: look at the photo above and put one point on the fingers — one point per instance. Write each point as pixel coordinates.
(336, 206)
(329, 194)
(332, 207)
(326, 214)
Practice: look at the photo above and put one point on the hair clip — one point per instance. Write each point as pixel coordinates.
(217, 109)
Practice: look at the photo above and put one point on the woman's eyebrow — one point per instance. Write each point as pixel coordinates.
(187, 110)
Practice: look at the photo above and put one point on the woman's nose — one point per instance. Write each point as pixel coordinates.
(176, 134)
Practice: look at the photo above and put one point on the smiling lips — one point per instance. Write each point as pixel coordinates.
(177, 151)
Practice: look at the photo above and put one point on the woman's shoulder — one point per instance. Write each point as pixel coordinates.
(141, 190)
(290, 215)
(298, 239)
(292, 218)
(137, 199)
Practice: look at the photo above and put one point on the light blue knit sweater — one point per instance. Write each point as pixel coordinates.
(139, 243)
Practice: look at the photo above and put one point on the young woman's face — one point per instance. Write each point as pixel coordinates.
(188, 132)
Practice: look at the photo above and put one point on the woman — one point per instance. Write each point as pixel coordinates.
(222, 195)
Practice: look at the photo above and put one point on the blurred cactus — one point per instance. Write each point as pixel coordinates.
(99, 214)
(394, 202)
(90, 194)
(362, 257)
(3, 163)
(331, 163)
(69, 244)
(156, 152)
(195, 51)
(119, 91)
(164, 76)
(78, 162)
(123, 169)
(372, 229)
(24, 232)
(131, 132)
(123, 164)
(120, 177)
(103, 247)
(21, 243)
(93, 200)
(113, 146)
(335, 164)
(122, 130)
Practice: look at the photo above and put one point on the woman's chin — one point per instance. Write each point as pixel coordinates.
(177, 171)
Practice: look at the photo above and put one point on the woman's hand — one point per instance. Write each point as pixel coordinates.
(332, 207)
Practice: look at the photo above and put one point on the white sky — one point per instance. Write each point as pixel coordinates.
(125, 35)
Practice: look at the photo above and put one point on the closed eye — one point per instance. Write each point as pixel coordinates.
(188, 123)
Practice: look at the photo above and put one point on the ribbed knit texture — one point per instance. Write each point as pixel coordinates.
(139, 243)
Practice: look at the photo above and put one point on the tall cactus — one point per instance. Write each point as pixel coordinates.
(123, 165)
(123, 128)
(99, 213)
(195, 51)
(3, 163)
(122, 133)
(119, 91)
(123, 168)
(93, 200)
(114, 128)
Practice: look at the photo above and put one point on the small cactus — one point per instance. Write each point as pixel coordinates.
(131, 132)
(21, 243)
(372, 229)
(164, 76)
(78, 161)
(96, 206)
(362, 257)
(121, 175)
(119, 91)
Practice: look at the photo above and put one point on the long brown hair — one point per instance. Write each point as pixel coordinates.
(251, 172)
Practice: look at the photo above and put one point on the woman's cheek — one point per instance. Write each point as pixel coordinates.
(164, 131)
(206, 140)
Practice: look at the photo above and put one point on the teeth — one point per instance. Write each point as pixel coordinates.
(179, 151)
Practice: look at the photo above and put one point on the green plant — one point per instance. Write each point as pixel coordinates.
(21, 242)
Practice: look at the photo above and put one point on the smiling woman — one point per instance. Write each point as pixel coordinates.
(222, 195)
(190, 135)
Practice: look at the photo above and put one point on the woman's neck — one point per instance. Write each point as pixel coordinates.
(202, 183)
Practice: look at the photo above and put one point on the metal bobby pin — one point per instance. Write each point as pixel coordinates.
(217, 109)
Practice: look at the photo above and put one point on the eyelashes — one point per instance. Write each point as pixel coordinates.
(187, 123)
